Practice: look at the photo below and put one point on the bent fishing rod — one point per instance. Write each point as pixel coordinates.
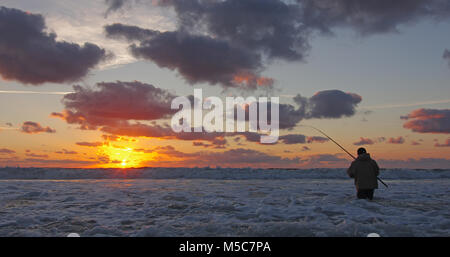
(323, 133)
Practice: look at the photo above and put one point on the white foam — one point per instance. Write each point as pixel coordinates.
(221, 207)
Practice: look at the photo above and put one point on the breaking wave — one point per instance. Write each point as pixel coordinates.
(207, 173)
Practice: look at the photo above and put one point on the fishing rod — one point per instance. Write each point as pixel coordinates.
(323, 133)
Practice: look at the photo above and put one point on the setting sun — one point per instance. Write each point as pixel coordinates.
(122, 157)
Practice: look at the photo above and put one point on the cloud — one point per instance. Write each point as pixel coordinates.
(230, 53)
(231, 158)
(305, 148)
(332, 104)
(37, 155)
(317, 139)
(31, 127)
(57, 161)
(398, 140)
(368, 141)
(230, 42)
(113, 5)
(293, 139)
(125, 109)
(445, 144)
(428, 121)
(364, 141)
(198, 58)
(380, 139)
(369, 17)
(218, 143)
(415, 143)
(6, 151)
(64, 151)
(31, 55)
(326, 104)
(115, 138)
(115, 103)
(129, 33)
(446, 55)
(282, 29)
(270, 26)
(161, 131)
(89, 144)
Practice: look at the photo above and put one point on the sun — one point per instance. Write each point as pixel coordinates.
(121, 157)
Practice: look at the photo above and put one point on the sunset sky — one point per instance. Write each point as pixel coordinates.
(89, 83)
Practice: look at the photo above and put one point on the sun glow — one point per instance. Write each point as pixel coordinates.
(122, 157)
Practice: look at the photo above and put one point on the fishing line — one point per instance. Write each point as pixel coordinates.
(323, 133)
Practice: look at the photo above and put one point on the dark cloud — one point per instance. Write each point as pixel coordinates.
(64, 151)
(293, 139)
(324, 104)
(218, 143)
(445, 144)
(398, 140)
(282, 29)
(197, 58)
(317, 139)
(129, 33)
(301, 139)
(31, 127)
(332, 104)
(370, 16)
(446, 55)
(224, 31)
(6, 151)
(270, 26)
(31, 55)
(428, 121)
(364, 141)
(89, 144)
(114, 5)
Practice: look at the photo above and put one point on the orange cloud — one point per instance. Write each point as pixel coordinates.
(428, 121)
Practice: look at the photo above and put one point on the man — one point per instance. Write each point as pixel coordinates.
(365, 172)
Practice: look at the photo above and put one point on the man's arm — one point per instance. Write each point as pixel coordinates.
(351, 170)
(376, 168)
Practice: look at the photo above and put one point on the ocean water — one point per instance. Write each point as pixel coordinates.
(219, 202)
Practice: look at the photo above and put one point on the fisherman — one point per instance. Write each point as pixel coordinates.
(365, 172)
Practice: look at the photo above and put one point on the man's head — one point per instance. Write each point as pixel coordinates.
(361, 150)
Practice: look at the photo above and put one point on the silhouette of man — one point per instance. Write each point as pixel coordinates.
(365, 172)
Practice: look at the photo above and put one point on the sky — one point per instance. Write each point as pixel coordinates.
(88, 84)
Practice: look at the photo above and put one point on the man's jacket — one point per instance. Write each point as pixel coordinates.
(365, 171)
